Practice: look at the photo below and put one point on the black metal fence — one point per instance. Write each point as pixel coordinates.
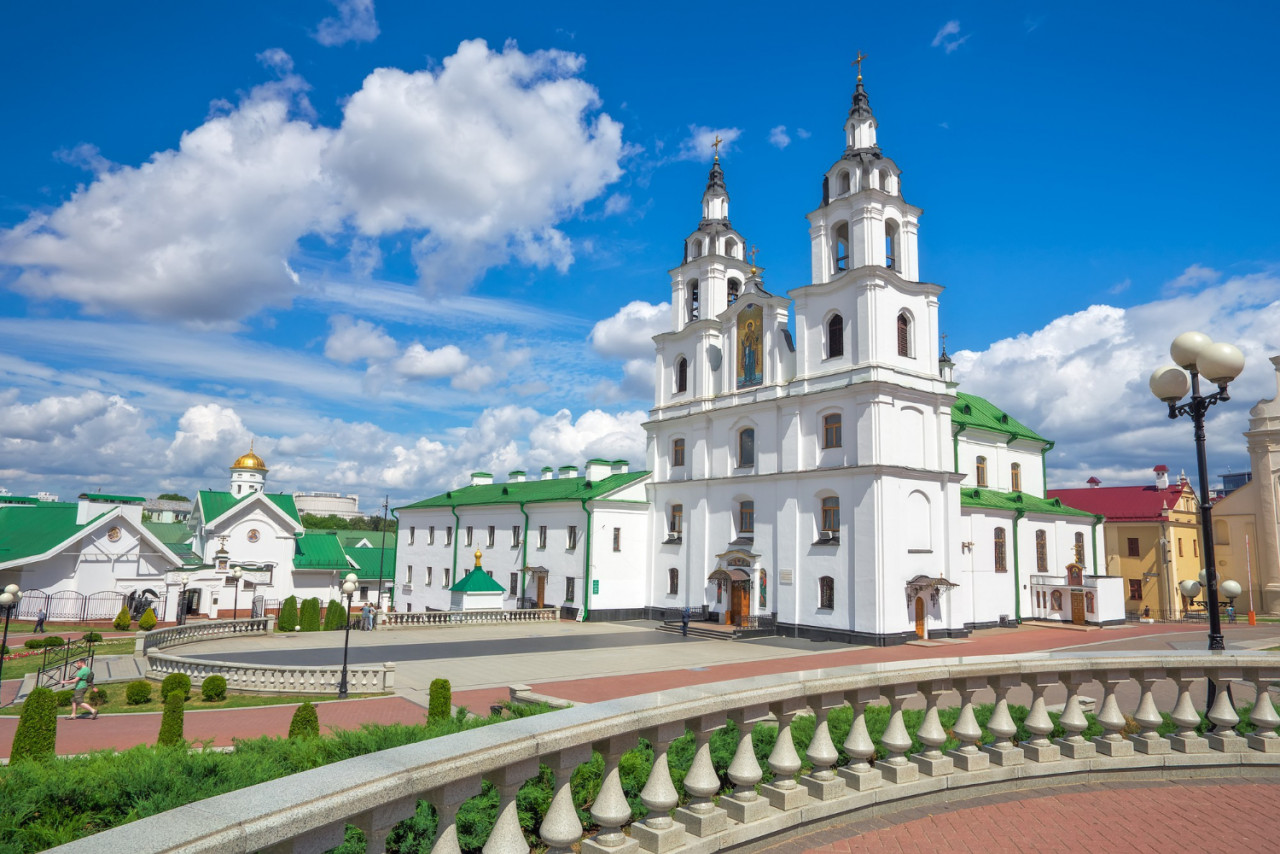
(57, 664)
(69, 606)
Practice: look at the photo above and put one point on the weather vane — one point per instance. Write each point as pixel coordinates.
(858, 62)
(716, 146)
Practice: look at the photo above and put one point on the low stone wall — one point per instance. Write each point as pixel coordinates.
(202, 631)
(469, 618)
(277, 679)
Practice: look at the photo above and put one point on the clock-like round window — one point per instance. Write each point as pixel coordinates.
(113, 535)
(253, 535)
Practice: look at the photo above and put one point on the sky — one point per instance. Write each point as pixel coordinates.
(391, 243)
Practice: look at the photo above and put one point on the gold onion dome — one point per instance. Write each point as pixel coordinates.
(250, 461)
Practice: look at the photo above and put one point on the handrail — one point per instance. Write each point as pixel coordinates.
(467, 618)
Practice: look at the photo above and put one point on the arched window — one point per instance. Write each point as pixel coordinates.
(695, 248)
(1079, 548)
(1088, 602)
(1055, 600)
(891, 244)
(980, 471)
(1015, 477)
(735, 289)
(844, 185)
(842, 247)
(1042, 551)
(677, 452)
(746, 447)
(682, 375)
(695, 305)
(886, 182)
(831, 429)
(835, 336)
(826, 593)
(831, 515)
(746, 517)
(904, 334)
(731, 247)
(1001, 559)
(675, 524)
(673, 581)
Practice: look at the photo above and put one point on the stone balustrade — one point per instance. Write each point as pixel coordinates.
(277, 679)
(309, 811)
(469, 618)
(200, 631)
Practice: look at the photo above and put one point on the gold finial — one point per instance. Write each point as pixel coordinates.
(716, 146)
(752, 253)
(858, 62)
(477, 557)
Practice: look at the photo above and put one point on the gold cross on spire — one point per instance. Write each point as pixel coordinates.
(716, 146)
(858, 62)
(752, 253)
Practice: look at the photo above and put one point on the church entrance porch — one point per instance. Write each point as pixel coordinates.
(738, 583)
(920, 628)
(535, 594)
(924, 595)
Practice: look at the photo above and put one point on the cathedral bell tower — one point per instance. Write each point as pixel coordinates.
(248, 474)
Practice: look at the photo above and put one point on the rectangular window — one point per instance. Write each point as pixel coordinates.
(831, 429)
(408, 574)
(411, 532)
(469, 536)
(1042, 551)
(492, 532)
(568, 589)
(677, 452)
(675, 526)
(617, 539)
(542, 536)
(431, 535)
(1080, 549)
(746, 447)
(364, 593)
(1001, 558)
(831, 515)
(747, 517)
(230, 581)
(514, 585)
(448, 536)
(1179, 546)
(573, 536)
(1195, 548)
(515, 536)
(1133, 547)
(428, 576)
(1135, 589)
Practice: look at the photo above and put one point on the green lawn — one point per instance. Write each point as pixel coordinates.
(19, 627)
(16, 668)
(116, 703)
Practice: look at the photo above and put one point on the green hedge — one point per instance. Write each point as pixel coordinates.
(91, 637)
(176, 682)
(309, 620)
(37, 733)
(305, 723)
(214, 689)
(334, 616)
(287, 621)
(440, 700)
(138, 692)
(147, 621)
(171, 720)
(123, 620)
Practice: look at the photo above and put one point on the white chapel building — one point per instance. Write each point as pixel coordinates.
(829, 483)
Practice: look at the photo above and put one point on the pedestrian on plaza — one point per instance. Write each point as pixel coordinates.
(39, 627)
(1231, 613)
(84, 681)
(684, 621)
(366, 618)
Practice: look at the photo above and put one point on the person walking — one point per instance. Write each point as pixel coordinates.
(40, 617)
(684, 621)
(366, 618)
(84, 681)
(1231, 613)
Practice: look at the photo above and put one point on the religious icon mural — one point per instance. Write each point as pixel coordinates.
(750, 344)
(764, 589)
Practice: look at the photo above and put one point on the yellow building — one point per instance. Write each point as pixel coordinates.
(1152, 539)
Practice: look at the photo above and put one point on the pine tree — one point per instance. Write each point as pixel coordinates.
(171, 720)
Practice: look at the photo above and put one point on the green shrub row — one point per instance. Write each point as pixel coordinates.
(41, 643)
(334, 616)
(309, 616)
(287, 621)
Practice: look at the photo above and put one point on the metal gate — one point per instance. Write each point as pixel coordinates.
(259, 606)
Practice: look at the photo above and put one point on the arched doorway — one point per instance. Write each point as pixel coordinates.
(738, 581)
(920, 629)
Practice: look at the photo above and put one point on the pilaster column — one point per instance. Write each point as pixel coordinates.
(447, 800)
(745, 805)
(783, 793)
(1001, 725)
(1186, 739)
(1038, 723)
(930, 761)
(611, 810)
(1224, 737)
(822, 782)
(561, 828)
(896, 741)
(507, 837)
(1074, 745)
(968, 757)
(1264, 715)
(1149, 740)
(1112, 743)
(658, 833)
(701, 817)
(858, 774)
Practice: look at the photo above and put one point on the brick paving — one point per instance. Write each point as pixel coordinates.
(1179, 817)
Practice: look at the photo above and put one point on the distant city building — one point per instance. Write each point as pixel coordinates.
(46, 496)
(328, 504)
(167, 511)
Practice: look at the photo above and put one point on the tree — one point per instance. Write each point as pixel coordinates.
(305, 723)
(325, 523)
(335, 616)
(171, 720)
(440, 701)
(171, 496)
(288, 620)
(309, 621)
(122, 621)
(37, 731)
(147, 621)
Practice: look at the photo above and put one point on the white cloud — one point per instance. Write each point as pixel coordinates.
(948, 37)
(616, 203)
(53, 416)
(418, 362)
(802, 133)
(778, 136)
(628, 334)
(208, 434)
(698, 145)
(355, 22)
(559, 440)
(355, 340)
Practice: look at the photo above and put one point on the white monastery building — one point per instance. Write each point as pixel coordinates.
(832, 483)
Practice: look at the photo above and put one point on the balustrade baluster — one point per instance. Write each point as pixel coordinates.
(858, 774)
(744, 805)
(610, 809)
(1003, 752)
(658, 832)
(968, 756)
(822, 782)
(1038, 723)
(1263, 716)
(378, 822)
(1110, 718)
(1149, 740)
(931, 762)
(507, 837)
(783, 793)
(701, 817)
(446, 801)
(896, 741)
(560, 828)
(1224, 737)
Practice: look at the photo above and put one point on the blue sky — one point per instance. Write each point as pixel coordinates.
(394, 243)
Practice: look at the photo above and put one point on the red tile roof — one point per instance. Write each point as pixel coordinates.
(1122, 502)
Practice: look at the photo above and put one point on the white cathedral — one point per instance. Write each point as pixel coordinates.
(831, 484)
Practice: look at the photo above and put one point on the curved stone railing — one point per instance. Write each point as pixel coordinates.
(277, 679)
(470, 618)
(309, 811)
(193, 632)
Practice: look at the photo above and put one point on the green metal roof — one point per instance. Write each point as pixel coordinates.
(29, 530)
(18, 499)
(990, 499)
(970, 410)
(477, 581)
(169, 533)
(214, 504)
(350, 537)
(320, 550)
(529, 492)
(112, 499)
(369, 564)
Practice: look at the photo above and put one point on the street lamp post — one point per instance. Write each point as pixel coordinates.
(349, 588)
(237, 574)
(1220, 363)
(8, 601)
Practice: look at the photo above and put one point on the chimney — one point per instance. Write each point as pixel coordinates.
(567, 471)
(547, 472)
(516, 476)
(620, 467)
(598, 469)
(1094, 483)
(481, 478)
(1162, 477)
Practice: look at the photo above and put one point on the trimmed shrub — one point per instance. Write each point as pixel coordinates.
(171, 720)
(287, 621)
(305, 723)
(122, 621)
(99, 697)
(54, 640)
(334, 616)
(147, 621)
(37, 728)
(137, 693)
(439, 706)
(91, 637)
(179, 682)
(34, 643)
(309, 619)
(63, 698)
(214, 689)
